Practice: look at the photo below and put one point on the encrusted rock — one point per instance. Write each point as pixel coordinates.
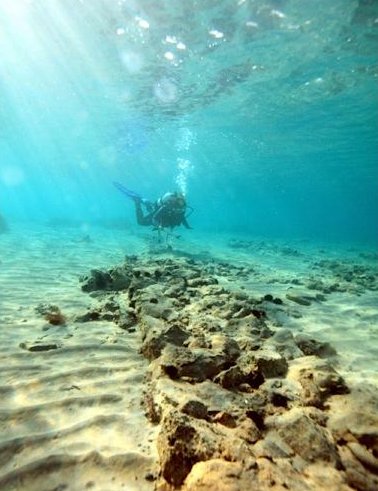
(280, 392)
(273, 447)
(194, 408)
(307, 439)
(318, 384)
(184, 441)
(225, 346)
(155, 341)
(115, 279)
(252, 372)
(194, 365)
(220, 475)
(357, 476)
(284, 343)
(40, 346)
(299, 299)
(225, 419)
(232, 377)
(181, 444)
(270, 363)
(152, 410)
(354, 419)
(233, 416)
(153, 303)
(366, 458)
(310, 346)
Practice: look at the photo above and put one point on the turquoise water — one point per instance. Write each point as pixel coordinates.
(265, 113)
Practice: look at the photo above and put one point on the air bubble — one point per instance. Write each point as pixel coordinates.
(168, 55)
(132, 61)
(165, 90)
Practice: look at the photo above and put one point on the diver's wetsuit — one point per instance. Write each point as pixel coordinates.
(162, 216)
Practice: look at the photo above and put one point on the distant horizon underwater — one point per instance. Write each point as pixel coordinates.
(263, 113)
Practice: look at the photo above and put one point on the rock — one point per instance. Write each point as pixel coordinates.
(150, 325)
(225, 419)
(155, 340)
(152, 302)
(269, 298)
(248, 344)
(354, 418)
(265, 332)
(230, 378)
(281, 391)
(273, 447)
(181, 444)
(239, 295)
(294, 474)
(253, 374)
(301, 300)
(97, 280)
(278, 301)
(127, 319)
(183, 441)
(202, 281)
(307, 439)
(120, 279)
(356, 474)
(152, 410)
(320, 383)
(90, 315)
(270, 363)
(247, 429)
(142, 277)
(176, 290)
(195, 408)
(193, 365)
(199, 364)
(114, 279)
(310, 346)
(219, 475)
(284, 343)
(282, 336)
(226, 346)
(234, 414)
(40, 346)
(315, 284)
(366, 458)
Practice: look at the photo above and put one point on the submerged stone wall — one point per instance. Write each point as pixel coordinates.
(241, 406)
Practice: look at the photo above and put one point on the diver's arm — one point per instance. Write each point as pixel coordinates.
(141, 218)
(186, 224)
(156, 216)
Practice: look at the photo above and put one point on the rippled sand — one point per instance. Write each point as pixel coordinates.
(70, 395)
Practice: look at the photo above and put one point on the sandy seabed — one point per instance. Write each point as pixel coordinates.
(73, 390)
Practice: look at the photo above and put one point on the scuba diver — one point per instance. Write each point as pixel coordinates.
(169, 211)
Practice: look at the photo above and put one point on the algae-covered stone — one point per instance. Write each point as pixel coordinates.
(270, 363)
(307, 439)
(311, 346)
(299, 299)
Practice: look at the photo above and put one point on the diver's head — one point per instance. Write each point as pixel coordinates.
(174, 200)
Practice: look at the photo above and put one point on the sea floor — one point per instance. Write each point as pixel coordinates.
(73, 392)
